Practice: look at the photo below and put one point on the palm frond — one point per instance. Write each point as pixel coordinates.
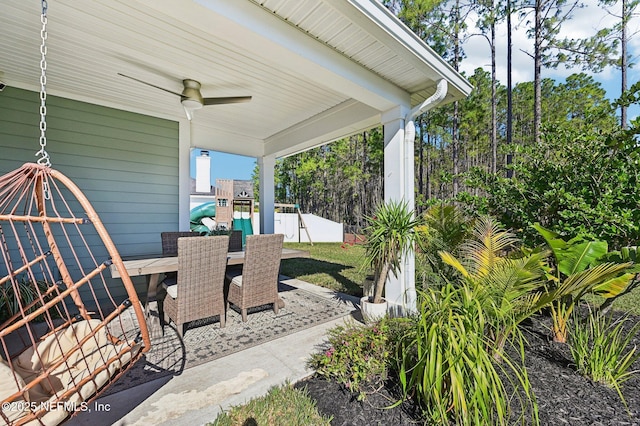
(585, 281)
(450, 260)
(488, 245)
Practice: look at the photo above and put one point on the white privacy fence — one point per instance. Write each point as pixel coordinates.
(320, 230)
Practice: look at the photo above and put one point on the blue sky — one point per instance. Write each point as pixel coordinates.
(226, 166)
(586, 21)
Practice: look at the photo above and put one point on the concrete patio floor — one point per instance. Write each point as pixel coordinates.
(199, 394)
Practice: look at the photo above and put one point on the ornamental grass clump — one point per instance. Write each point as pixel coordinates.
(601, 349)
(446, 363)
(23, 294)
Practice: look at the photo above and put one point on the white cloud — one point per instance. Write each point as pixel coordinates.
(478, 53)
(585, 22)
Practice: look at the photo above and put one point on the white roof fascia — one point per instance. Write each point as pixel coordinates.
(390, 30)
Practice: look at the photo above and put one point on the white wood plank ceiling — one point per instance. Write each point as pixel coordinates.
(317, 69)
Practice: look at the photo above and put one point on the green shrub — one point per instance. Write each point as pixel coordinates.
(10, 300)
(390, 234)
(509, 281)
(358, 356)
(574, 182)
(446, 363)
(599, 347)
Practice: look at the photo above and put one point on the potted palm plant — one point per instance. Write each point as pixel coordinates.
(390, 234)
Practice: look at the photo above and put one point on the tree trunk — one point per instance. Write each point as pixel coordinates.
(509, 158)
(623, 62)
(429, 168)
(537, 79)
(381, 279)
(455, 148)
(494, 102)
(454, 127)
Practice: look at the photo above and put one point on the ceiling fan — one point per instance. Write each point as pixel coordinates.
(191, 98)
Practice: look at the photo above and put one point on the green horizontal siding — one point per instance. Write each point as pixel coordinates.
(126, 164)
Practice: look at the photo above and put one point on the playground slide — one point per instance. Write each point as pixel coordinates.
(200, 212)
(245, 226)
(203, 210)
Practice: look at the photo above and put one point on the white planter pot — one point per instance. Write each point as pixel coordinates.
(372, 312)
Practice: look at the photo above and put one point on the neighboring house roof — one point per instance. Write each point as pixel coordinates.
(242, 189)
(317, 69)
(192, 191)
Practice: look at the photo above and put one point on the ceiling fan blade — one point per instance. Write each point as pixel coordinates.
(227, 100)
(152, 85)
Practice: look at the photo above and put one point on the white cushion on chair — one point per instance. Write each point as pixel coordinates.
(172, 290)
(10, 384)
(82, 363)
(235, 277)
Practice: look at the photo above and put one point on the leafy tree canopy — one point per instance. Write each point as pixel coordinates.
(576, 182)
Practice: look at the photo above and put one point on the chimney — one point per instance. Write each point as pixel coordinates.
(203, 172)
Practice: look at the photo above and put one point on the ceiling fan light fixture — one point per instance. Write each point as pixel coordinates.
(191, 98)
(188, 113)
(191, 104)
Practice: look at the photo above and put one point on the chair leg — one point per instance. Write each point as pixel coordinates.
(180, 328)
(275, 306)
(244, 315)
(223, 319)
(164, 320)
(161, 315)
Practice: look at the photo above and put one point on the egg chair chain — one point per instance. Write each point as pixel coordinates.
(44, 159)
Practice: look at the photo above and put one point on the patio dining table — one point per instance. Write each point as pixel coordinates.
(152, 267)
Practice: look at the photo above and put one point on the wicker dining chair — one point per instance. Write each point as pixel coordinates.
(170, 249)
(257, 283)
(170, 241)
(199, 292)
(235, 240)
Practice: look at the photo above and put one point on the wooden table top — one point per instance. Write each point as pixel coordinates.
(158, 265)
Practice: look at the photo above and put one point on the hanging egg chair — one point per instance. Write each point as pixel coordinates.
(67, 331)
(64, 338)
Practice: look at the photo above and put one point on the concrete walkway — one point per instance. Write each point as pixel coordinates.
(199, 394)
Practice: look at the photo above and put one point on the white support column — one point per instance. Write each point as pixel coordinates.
(267, 165)
(184, 174)
(409, 260)
(399, 186)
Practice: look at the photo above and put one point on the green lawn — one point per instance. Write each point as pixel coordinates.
(336, 266)
(282, 405)
(340, 267)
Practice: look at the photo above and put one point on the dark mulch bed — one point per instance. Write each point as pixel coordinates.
(564, 397)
